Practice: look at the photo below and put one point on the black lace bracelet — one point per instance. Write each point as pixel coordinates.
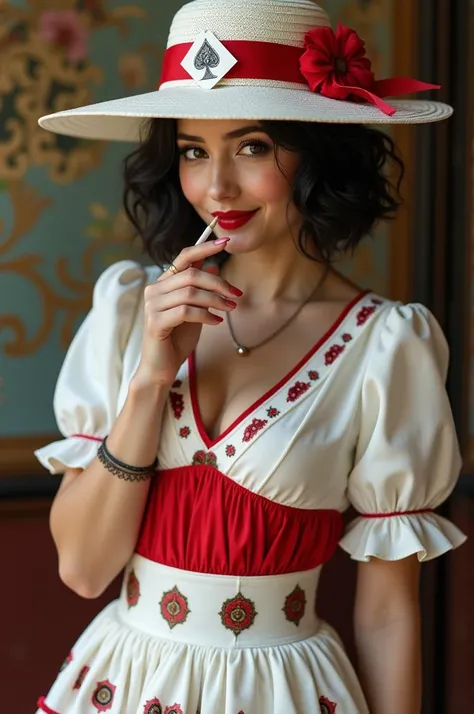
(123, 470)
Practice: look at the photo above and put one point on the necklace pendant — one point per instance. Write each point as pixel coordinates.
(242, 351)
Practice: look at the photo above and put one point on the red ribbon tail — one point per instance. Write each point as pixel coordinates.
(401, 85)
(369, 97)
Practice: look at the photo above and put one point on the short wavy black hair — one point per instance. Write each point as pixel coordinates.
(348, 180)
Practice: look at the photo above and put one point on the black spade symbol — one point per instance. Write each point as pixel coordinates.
(206, 58)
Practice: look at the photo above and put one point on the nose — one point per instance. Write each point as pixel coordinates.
(223, 183)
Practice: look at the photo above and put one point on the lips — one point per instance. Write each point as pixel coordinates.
(232, 220)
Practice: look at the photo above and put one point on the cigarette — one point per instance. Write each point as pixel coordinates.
(207, 232)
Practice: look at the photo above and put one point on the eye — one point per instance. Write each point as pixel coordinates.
(254, 147)
(192, 153)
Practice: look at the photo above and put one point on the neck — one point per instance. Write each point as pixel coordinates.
(267, 275)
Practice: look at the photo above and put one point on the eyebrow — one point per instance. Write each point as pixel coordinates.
(236, 134)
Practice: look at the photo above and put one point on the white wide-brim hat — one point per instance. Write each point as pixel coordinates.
(242, 59)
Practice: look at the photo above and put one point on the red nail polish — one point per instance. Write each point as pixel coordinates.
(230, 303)
(235, 291)
(218, 319)
(221, 241)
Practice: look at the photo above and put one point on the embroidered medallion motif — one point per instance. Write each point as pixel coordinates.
(175, 709)
(177, 404)
(346, 337)
(272, 412)
(81, 677)
(230, 450)
(205, 458)
(153, 706)
(253, 429)
(364, 314)
(66, 662)
(133, 589)
(184, 432)
(326, 706)
(295, 605)
(297, 390)
(314, 376)
(174, 607)
(103, 696)
(333, 353)
(238, 614)
(177, 385)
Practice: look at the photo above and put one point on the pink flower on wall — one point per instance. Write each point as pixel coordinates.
(64, 29)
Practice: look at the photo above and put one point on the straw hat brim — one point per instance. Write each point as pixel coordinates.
(121, 119)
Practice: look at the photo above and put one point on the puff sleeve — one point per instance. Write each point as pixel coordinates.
(86, 394)
(407, 457)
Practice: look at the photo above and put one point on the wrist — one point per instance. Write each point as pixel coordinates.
(141, 388)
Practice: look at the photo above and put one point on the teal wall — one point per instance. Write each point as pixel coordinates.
(60, 219)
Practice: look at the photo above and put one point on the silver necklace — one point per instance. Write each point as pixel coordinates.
(244, 350)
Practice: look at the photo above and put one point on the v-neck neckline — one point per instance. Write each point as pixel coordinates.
(192, 378)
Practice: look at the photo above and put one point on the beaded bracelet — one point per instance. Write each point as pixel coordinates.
(121, 469)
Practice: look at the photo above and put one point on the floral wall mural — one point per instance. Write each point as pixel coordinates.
(60, 216)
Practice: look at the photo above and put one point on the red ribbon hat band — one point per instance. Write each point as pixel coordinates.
(333, 64)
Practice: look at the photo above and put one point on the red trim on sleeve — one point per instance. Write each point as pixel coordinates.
(396, 513)
(41, 704)
(86, 436)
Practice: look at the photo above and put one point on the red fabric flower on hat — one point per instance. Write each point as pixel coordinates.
(334, 65)
(334, 62)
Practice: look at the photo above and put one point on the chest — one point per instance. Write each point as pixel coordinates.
(227, 384)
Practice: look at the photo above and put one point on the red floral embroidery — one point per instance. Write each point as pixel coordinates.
(333, 353)
(314, 376)
(376, 301)
(153, 706)
(364, 314)
(334, 62)
(133, 589)
(103, 696)
(202, 458)
(230, 450)
(184, 432)
(81, 677)
(174, 607)
(177, 384)
(297, 390)
(256, 426)
(177, 404)
(68, 659)
(238, 614)
(295, 605)
(326, 706)
(272, 412)
(175, 709)
(346, 337)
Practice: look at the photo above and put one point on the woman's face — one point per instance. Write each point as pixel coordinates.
(229, 167)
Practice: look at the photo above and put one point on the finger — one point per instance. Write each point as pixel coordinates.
(187, 313)
(192, 277)
(195, 254)
(194, 297)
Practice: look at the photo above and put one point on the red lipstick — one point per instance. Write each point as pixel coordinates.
(232, 220)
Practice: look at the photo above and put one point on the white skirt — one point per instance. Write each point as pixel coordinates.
(178, 642)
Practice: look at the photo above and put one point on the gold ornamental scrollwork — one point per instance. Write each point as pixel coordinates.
(110, 240)
(37, 77)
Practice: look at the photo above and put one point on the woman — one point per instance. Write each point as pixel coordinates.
(274, 391)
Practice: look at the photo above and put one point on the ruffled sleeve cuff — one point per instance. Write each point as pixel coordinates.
(74, 452)
(394, 537)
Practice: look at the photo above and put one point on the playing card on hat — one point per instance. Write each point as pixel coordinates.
(208, 61)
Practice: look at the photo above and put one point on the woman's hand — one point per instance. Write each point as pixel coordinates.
(176, 308)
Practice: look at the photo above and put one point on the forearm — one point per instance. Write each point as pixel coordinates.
(389, 657)
(95, 519)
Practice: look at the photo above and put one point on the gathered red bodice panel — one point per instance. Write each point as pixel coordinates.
(198, 519)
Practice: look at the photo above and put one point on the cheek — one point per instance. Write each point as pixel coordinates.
(268, 185)
(192, 186)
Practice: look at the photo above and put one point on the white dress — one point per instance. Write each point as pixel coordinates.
(217, 610)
